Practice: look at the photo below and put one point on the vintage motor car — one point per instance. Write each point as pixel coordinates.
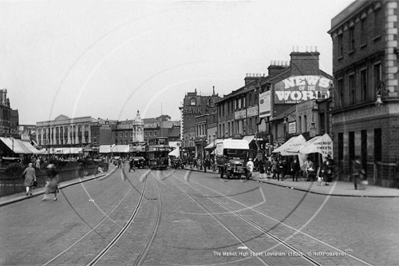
(231, 157)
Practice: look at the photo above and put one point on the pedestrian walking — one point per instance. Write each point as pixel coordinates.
(250, 168)
(294, 167)
(131, 165)
(51, 182)
(327, 170)
(38, 163)
(358, 172)
(261, 167)
(274, 168)
(268, 167)
(29, 175)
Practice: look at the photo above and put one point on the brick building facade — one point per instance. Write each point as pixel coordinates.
(365, 98)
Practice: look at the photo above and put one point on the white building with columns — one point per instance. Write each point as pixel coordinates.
(64, 131)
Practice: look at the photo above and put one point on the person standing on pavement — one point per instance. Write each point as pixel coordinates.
(51, 182)
(261, 167)
(30, 177)
(274, 168)
(250, 168)
(294, 167)
(131, 165)
(357, 172)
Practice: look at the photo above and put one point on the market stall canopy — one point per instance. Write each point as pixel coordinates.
(175, 152)
(105, 149)
(290, 144)
(121, 148)
(322, 145)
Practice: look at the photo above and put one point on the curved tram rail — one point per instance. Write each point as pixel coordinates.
(141, 258)
(300, 252)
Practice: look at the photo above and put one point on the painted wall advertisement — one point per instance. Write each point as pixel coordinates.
(297, 89)
(264, 104)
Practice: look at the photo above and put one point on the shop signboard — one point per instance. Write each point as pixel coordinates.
(240, 114)
(264, 104)
(297, 89)
(292, 128)
(252, 111)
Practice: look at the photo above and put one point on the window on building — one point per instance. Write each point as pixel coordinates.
(363, 84)
(341, 100)
(351, 39)
(126, 134)
(377, 76)
(228, 127)
(340, 45)
(150, 133)
(239, 103)
(193, 101)
(363, 32)
(305, 123)
(249, 99)
(352, 89)
(116, 134)
(243, 102)
(155, 133)
(378, 22)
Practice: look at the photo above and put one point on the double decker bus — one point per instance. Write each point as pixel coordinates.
(158, 151)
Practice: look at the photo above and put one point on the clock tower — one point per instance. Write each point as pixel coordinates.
(138, 129)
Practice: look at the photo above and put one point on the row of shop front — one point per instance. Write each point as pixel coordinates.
(296, 145)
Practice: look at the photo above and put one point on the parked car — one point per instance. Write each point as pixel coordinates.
(139, 162)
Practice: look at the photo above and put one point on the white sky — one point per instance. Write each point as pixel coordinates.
(109, 59)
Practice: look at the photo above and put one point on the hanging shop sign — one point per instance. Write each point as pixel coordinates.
(297, 89)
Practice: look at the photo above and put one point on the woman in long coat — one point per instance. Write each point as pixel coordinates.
(30, 177)
(52, 182)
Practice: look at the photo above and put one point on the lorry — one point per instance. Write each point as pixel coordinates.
(231, 157)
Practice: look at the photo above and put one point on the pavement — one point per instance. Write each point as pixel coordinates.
(336, 188)
(5, 200)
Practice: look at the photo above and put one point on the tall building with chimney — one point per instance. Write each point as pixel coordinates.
(366, 92)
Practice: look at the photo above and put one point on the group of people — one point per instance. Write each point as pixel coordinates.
(30, 180)
(278, 167)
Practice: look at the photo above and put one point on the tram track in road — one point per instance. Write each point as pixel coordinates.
(279, 240)
(98, 229)
(239, 239)
(122, 232)
(141, 258)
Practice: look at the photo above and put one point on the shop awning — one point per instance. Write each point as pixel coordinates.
(295, 150)
(121, 148)
(15, 145)
(290, 144)
(322, 145)
(105, 149)
(30, 147)
(210, 146)
(249, 138)
(175, 152)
